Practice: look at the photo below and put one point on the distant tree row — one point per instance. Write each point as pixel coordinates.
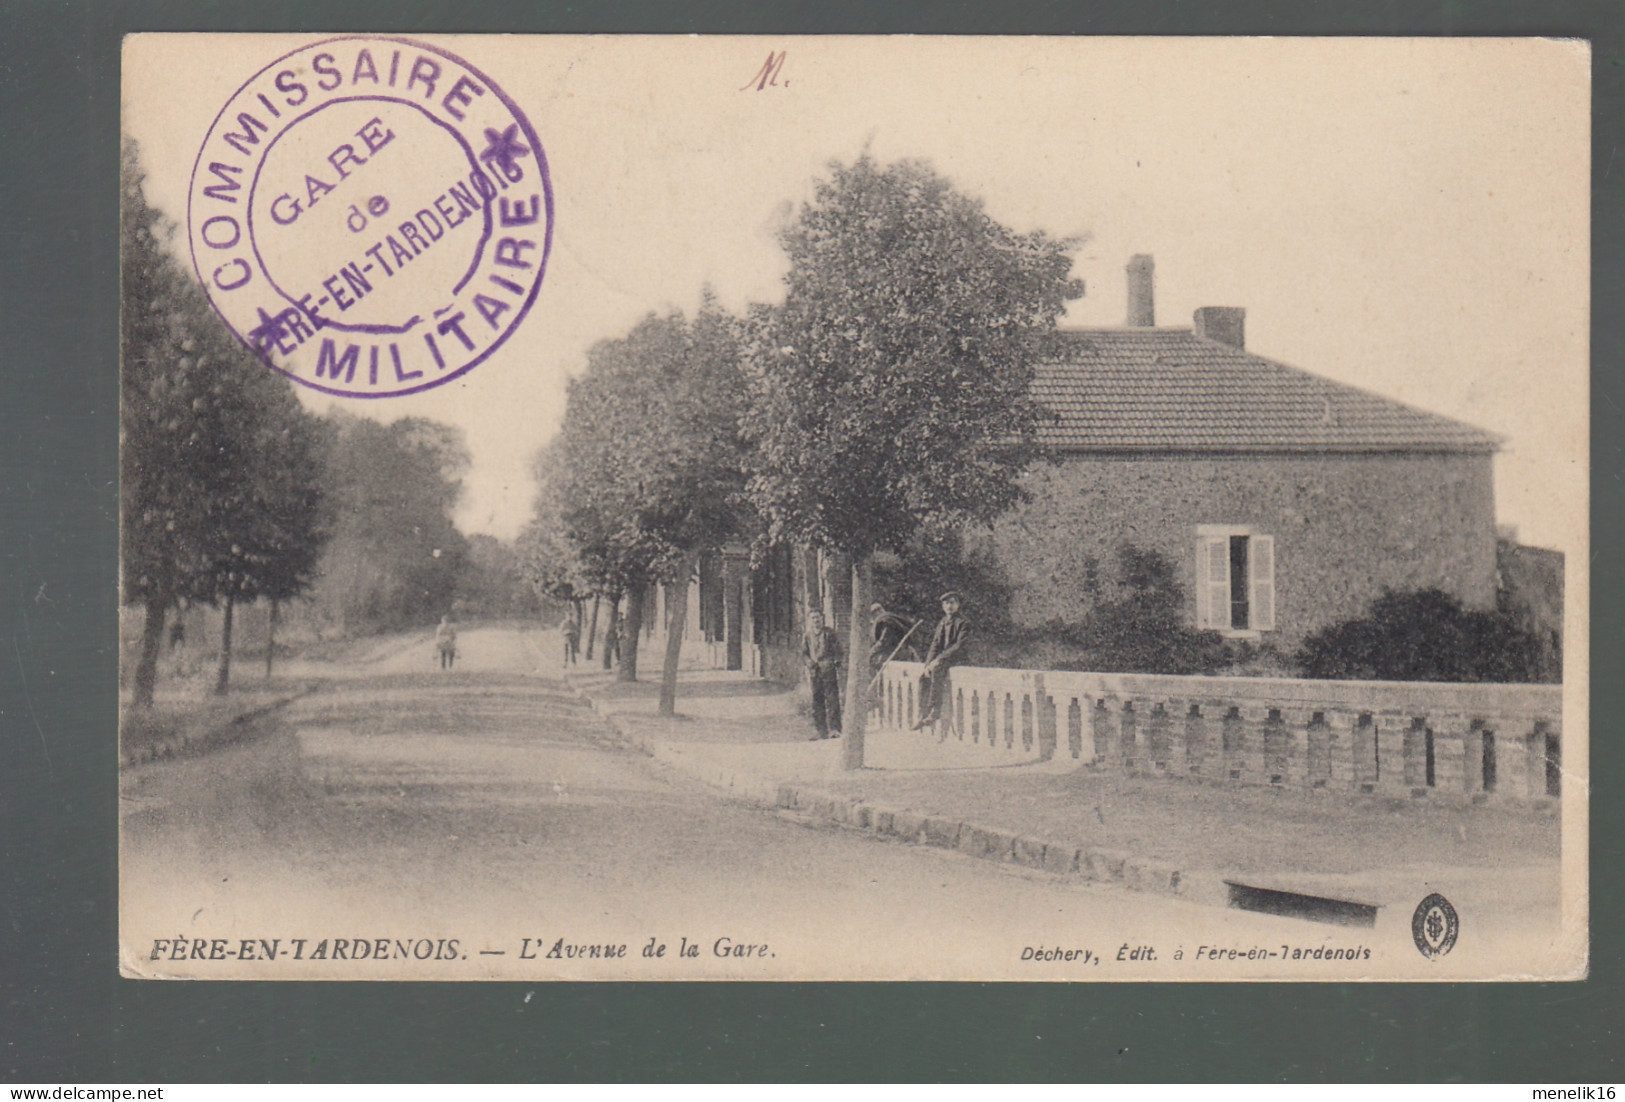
(232, 492)
(394, 558)
(220, 489)
(645, 475)
(882, 403)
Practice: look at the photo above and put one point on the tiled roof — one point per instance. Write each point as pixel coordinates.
(1170, 390)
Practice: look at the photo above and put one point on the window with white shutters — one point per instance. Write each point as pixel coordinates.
(1261, 582)
(1235, 579)
(1213, 582)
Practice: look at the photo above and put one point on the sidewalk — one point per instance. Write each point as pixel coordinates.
(1152, 834)
(186, 715)
(182, 721)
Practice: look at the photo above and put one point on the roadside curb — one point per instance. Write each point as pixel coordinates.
(811, 805)
(739, 783)
(986, 843)
(206, 736)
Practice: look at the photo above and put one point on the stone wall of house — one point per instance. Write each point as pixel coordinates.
(1344, 527)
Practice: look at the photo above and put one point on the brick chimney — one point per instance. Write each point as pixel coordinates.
(1141, 303)
(1224, 324)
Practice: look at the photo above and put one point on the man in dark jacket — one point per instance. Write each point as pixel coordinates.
(821, 654)
(950, 646)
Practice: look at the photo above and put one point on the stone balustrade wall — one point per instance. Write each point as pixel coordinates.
(1394, 738)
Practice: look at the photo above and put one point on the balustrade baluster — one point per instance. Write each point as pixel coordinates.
(1297, 723)
(1391, 732)
(1341, 759)
(1253, 717)
(1048, 735)
(1277, 747)
(1178, 752)
(1451, 734)
(1104, 724)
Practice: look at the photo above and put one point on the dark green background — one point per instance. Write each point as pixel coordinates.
(68, 1017)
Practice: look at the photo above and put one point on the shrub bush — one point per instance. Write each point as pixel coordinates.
(1143, 629)
(1137, 625)
(1424, 635)
(935, 561)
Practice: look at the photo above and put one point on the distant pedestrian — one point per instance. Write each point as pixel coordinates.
(571, 629)
(821, 654)
(950, 647)
(445, 640)
(894, 638)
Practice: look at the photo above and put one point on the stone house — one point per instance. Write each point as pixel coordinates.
(1284, 501)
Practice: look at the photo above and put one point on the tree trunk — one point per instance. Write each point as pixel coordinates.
(629, 638)
(222, 681)
(592, 625)
(146, 668)
(270, 637)
(613, 629)
(733, 608)
(856, 712)
(811, 581)
(677, 603)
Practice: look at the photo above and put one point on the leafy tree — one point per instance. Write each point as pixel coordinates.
(298, 518)
(890, 390)
(268, 529)
(647, 469)
(1425, 635)
(695, 459)
(275, 516)
(493, 583)
(163, 522)
(395, 556)
(548, 560)
(586, 513)
(219, 491)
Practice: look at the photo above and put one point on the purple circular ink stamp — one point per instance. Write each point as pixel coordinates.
(371, 215)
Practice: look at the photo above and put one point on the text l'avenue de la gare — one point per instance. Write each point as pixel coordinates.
(426, 949)
(280, 950)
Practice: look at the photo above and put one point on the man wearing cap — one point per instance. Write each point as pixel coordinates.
(950, 646)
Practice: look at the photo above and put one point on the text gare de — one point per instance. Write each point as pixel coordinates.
(286, 209)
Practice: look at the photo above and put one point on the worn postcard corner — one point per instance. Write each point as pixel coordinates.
(863, 508)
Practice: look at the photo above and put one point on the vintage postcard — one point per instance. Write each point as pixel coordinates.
(725, 508)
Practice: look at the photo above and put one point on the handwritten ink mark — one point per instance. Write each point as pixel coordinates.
(768, 74)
